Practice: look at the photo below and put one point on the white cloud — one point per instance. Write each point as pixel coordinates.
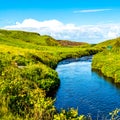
(91, 10)
(59, 30)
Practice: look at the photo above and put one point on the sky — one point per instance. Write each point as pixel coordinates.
(91, 21)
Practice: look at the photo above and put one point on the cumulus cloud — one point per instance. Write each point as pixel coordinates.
(59, 30)
(91, 10)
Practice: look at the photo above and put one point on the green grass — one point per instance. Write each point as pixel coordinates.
(108, 61)
(27, 74)
(22, 37)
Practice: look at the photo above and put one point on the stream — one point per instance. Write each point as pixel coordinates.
(85, 90)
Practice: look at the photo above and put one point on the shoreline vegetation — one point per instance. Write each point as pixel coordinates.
(27, 74)
(108, 61)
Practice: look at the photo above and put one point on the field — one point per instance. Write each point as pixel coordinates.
(108, 61)
(27, 75)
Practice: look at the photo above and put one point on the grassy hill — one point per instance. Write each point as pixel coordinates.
(27, 75)
(25, 39)
(27, 72)
(108, 61)
(31, 39)
(107, 43)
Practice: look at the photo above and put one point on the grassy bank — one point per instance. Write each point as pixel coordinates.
(108, 61)
(27, 63)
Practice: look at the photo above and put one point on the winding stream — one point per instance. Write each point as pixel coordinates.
(85, 90)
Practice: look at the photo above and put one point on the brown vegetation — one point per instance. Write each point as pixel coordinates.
(71, 43)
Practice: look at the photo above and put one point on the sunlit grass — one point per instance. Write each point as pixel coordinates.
(27, 75)
(108, 62)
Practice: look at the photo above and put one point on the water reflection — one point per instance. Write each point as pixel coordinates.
(108, 79)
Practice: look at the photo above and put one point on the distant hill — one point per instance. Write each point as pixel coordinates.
(71, 43)
(31, 39)
(22, 37)
(113, 43)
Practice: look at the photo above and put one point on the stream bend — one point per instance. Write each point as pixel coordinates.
(85, 90)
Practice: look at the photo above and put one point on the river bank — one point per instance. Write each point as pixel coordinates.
(84, 90)
(107, 62)
(27, 75)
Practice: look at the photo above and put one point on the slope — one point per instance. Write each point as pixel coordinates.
(12, 37)
(107, 43)
(108, 61)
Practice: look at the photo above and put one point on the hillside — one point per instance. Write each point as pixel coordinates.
(31, 40)
(27, 75)
(108, 61)
(107, 43)
(12, 37)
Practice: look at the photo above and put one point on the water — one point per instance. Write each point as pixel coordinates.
(85, 90)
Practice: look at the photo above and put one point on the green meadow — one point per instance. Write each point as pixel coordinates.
(27, 75)
(108, 61)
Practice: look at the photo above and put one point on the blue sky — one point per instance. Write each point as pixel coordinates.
(79, 20)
